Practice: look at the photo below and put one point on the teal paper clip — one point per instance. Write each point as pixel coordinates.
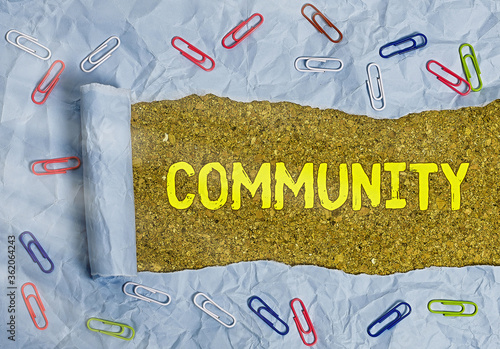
(452, 302)
(473, 58)
(117, 334)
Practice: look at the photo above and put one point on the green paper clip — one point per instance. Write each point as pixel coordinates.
(112, 333)
(473, 58)
(451, 302)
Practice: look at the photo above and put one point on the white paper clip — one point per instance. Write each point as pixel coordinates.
(24, 48)
(137, 295)
(203, 307)
(101, 60)
(381, 96)
(310, 69)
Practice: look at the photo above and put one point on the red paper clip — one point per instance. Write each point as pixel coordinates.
(448, 82)
(198, 62)
(49, 171)
(30, 307)
(316, 25)
(310, 326)
(50, 86)
(233, 32)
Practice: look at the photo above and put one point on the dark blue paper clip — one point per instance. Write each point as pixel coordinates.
(399, 316)
(35, 242)
(401, 41)
(270, 311)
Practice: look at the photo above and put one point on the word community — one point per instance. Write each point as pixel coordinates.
(358, 180)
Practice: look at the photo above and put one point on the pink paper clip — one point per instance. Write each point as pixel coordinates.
(233, 32)
(50, 86)
(310, 326)
(198, 62)
(50, 171)
(30, 307)
(447, 82)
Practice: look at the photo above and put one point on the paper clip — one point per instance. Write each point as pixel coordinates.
(233, 32)
(452, 302)
(50, 86)
(473, 57)
(38, 301)
(118, 334)
(268, 310)
(198, 62)
(49, 171)
(404, 40)
(24, 48)
(203, 307)
(137, 295)
(35, 242)
(381, 96)
(399, 316)
(310, 327)
(101, 60)
(313, 21)
(310, 69)
(448, 82)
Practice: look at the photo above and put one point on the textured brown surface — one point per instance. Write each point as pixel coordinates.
(374, 240)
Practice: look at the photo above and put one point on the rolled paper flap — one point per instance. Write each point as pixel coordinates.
(108, 181)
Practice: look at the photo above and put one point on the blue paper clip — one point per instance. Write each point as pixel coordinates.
(394, 310)
(35, 242)
(401, 41)
(270, 311)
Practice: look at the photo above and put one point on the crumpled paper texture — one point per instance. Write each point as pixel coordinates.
(261, 68)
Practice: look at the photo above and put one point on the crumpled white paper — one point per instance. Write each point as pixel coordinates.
(341, 306)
